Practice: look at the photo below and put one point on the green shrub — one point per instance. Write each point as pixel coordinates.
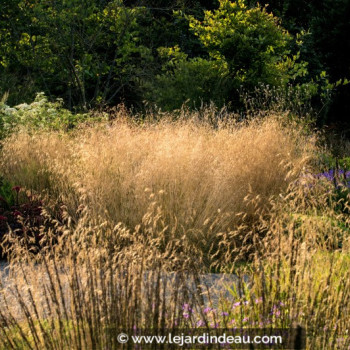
(7, 198)
(39, 115)
(194, 81)
(244, 47)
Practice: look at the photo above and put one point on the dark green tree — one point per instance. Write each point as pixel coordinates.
(87, 51)
(328, 25)
(244, 47)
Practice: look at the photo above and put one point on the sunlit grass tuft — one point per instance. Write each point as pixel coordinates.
(196, 171)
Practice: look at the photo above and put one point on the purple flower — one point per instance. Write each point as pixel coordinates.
(200, 323)
(238, 303)
(337, 176)
(186, 315)
(207, 309)
(275, 311)
(186, 307)
(224, 313)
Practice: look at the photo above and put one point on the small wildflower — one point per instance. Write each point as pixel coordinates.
(224, 313)
(186, 307)
(207, 309)
(238, 303)
(200, 323)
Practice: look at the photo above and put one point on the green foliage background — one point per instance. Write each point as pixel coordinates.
(101, 52)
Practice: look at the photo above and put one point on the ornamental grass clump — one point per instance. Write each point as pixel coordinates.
(202, 175)
(136, 216)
